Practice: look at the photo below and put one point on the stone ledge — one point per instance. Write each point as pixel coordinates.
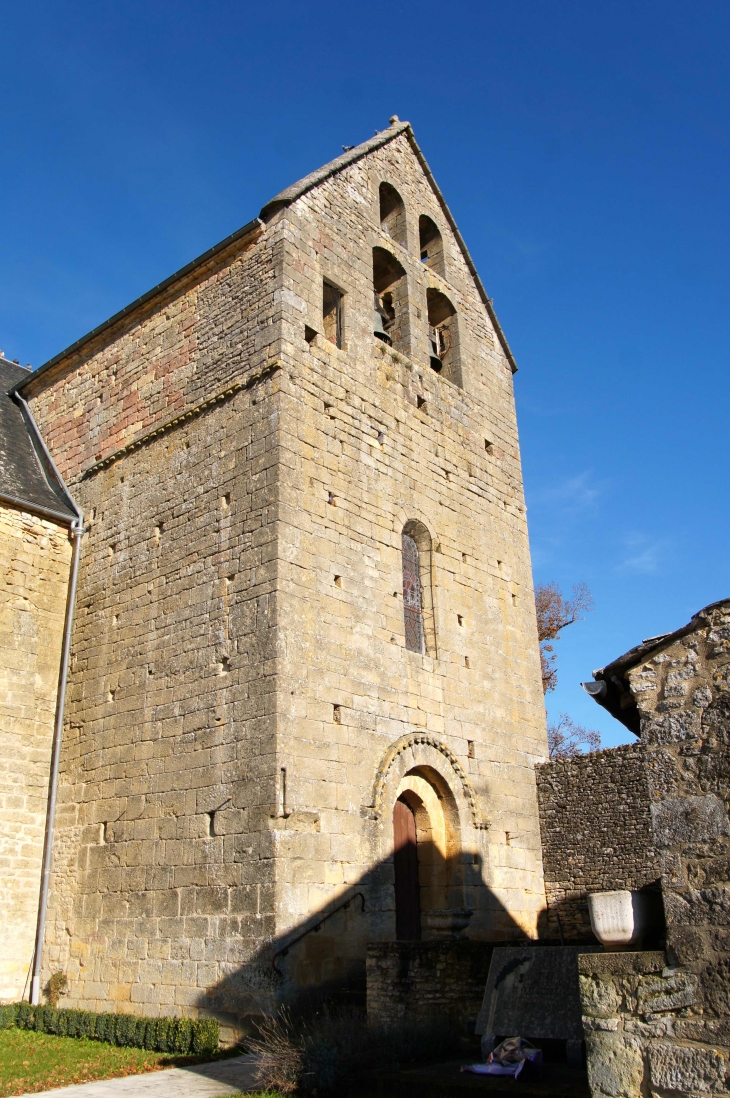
(621, 964)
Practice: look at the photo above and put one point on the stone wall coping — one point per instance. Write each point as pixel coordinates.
(622, 964)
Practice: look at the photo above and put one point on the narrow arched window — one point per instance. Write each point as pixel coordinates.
(412, 595)
(418, 607)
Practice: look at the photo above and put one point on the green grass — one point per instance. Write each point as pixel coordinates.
(31, 1061)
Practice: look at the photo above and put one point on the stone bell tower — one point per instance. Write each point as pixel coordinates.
(305, 665)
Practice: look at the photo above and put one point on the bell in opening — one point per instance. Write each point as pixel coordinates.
(384, 317)
(443, 336)
(440, 341)
(405, 862)
(390, 318)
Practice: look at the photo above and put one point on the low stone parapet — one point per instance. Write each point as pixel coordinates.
(426, 981)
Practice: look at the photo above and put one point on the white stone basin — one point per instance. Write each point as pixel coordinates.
(619, 919)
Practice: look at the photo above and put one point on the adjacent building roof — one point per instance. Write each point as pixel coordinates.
(24, 481)
(280, 201)
(611, 689)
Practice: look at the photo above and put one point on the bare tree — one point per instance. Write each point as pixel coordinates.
(554, 612)
(567, 740)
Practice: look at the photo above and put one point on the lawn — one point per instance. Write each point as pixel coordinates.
(32, 1061)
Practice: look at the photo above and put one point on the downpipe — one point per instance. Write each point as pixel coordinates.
(77, 532)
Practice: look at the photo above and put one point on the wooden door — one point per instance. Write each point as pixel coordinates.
(405, 858)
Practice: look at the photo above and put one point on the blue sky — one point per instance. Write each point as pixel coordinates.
(584, 150)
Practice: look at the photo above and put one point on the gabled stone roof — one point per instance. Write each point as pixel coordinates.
(296, 190)
(23, 479)
(280, 201)
(290, 194)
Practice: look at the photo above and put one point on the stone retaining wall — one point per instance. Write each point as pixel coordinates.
(425, 981)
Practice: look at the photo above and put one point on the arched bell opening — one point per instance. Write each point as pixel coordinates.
(443, 336)
(390, 291)
(429, 886)
(431, 246)
(392, 213)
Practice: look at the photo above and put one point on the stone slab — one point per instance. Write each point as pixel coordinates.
(532, 991)
(639, 963)
(223, 1077)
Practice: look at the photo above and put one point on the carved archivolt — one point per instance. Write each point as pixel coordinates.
(416, 739)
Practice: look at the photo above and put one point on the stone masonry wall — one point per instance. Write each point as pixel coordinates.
(35, 559)
(596, 831)
(656, 1023)
(239, 645)
(683, 694)
(163, 884)
(635, 1007)
(426, 981)
(373, 438)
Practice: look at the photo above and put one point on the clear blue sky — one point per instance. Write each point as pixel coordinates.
(584, 149)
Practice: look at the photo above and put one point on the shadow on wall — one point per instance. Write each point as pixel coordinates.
(323, 957)
(568, 918)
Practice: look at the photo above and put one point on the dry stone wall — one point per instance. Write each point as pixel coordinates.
(35, 558)
(596, 831)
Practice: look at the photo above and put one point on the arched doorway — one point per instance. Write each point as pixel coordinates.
(405, 861)
(428, 875)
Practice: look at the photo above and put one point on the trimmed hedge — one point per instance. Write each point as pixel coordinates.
(183, 1036)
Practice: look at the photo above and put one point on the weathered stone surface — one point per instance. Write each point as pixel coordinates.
(689, 819)
(35, 558)
(672, 992)
(629, 963)
(599, 998)
(615, 1065)
(683, 1068)
(676, 727)
(533, 991)
(243, 711)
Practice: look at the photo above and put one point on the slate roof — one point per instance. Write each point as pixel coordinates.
(23, 479)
